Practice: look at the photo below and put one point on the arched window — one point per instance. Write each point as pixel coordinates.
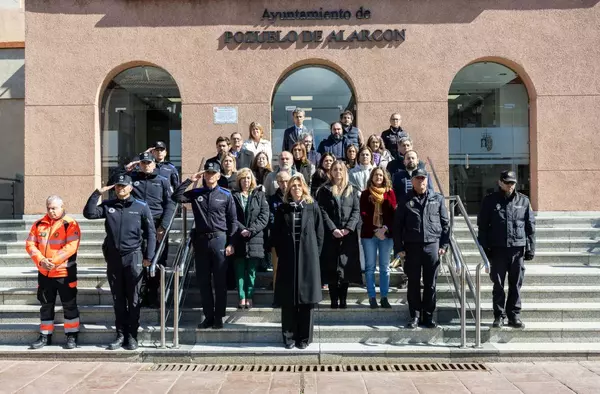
(140, 105)
(488, 124)
(320, 91)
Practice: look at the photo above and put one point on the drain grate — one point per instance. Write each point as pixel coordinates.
(424, 367)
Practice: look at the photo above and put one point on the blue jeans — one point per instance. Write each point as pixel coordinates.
(371, 247)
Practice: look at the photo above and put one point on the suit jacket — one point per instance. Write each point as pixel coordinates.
(290, 137)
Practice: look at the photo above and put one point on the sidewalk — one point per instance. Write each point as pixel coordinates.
(80, 377)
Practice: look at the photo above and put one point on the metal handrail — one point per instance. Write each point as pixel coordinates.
(181, 273)
(483, 264)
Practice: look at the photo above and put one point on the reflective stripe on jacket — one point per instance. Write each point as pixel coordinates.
(57, 240)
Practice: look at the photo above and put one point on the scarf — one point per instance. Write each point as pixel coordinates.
(376, 197)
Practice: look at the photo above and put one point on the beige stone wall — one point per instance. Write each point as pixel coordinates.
(74, 47)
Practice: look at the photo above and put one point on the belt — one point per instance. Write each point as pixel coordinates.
(210, 235)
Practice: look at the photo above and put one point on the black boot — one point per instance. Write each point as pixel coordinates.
(334, 295)
(43, 340)
(132, 343)
(343, 295)
(118, 342)
(71, 341)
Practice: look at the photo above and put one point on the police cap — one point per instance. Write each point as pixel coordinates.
(160, 145)
(212, 166)
(419, 173)
(146, 156)
(123, 180)
(508, 176)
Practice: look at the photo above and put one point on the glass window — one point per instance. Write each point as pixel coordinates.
(488, 122)
(140, 106)
(320, 91)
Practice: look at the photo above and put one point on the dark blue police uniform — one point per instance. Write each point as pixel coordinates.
(169, 171)
(421, 228)
(507, 234)
(215, 226)
(130, 238)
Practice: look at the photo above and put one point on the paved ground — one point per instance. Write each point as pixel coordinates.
(79, 377)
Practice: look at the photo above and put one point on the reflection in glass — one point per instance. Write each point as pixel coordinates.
(320, 91)
(140, 106)
(488, 123)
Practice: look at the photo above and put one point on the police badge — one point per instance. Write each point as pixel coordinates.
(412, 204)
(136, 183)
(497, 207)
(111, 210)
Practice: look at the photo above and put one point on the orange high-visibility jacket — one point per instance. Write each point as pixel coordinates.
(57, 240)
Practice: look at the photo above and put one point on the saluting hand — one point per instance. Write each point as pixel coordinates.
(131, 165)
(197, 176)
(106, 188)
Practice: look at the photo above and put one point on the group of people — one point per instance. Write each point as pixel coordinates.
(313, 217)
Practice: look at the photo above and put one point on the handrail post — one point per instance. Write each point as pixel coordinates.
(478, 307)
(163, 340)
(463, 306)
(177, 272)
(184, 226)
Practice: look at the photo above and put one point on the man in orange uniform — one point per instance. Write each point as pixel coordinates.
(52, 244)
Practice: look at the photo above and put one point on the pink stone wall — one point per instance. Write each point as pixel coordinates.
(75, 47)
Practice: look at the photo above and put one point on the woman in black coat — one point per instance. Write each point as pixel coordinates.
(252, 218)
(321, 175)
(298, 239)
(340, 259)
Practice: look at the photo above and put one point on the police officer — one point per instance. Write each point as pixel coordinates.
(52, 245)
(421, 235)
(215, 226)
(507, 234)
(155, 190)
(129, 244)
(165, 168)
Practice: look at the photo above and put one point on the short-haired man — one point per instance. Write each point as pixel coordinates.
(52, 245)
(286, 164)
(223, 145)
(401, 183)
(313, 156)
(291, 135)
(392, 136)
(351, 132)
(405, 144)
(507, 234)
(421, 235)
(336, 143)
(243, 157)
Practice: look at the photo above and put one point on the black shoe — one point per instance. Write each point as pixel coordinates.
(413, 323)
(516, 323)
(132, 343)
(498, 322)
(373, 303)
(343, 304)
(334, 305)
(43, 340)
(275, 305)
(302, 345)
(206, 324)
(385, 303)
(118, 342)
(429, 324)
(289, 346)
(218, 324)
(71, 341)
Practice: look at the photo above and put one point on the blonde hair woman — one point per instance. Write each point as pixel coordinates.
(255, 142)
(252, 218)
(381, 156)
(228, 178)
(298, 239)
(340, 259)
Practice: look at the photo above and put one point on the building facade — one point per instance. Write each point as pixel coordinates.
(481, 87)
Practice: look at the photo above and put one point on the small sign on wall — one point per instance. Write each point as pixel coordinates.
(225, 115)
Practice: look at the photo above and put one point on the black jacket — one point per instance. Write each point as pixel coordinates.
(243, 158)
(340, 254)
(290, 137)
(169, 171)
(421, 223)
(401, 183)
(156, 191)
(506, 222)
(337, 147)
(318, 179)
(390, 139)
(214, 210)
(128, 223)
(397, 165)
(274, 202)
(228, 183)
(305, 170)
(254, 219)
(298, 281)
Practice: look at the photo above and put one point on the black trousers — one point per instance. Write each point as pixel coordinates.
(211, 265)
(150, 285)
(47, 290)
(422, 257)
(125, 280)
(507, 261)
(297, 323)
(338, 287)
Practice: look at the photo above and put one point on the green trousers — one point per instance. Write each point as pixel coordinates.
(245, 272)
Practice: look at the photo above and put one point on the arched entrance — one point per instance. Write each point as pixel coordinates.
(320, 91)
(139, 106)
(488, 125)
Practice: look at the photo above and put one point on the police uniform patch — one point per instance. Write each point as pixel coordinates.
(200, 199)
(136, 183)
(111, 210)
(498, 207)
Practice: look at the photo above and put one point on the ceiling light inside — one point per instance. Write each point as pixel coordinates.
(301, 98)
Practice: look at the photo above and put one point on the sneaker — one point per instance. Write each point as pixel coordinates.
(43, 340)
(71, 341)
(385, 303)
